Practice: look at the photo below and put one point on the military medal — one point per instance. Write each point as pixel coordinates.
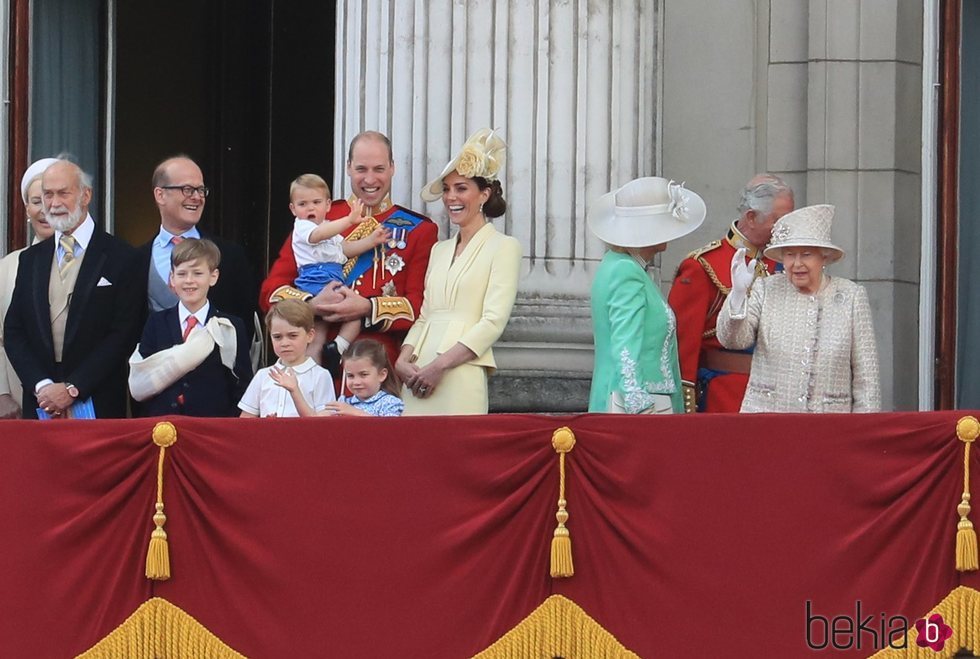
(394, 263)
(401, 241)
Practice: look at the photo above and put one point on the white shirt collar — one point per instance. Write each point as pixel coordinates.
(201, 314)
(82, 233)
(299, 368)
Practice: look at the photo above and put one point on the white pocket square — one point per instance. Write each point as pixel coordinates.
(104, 282)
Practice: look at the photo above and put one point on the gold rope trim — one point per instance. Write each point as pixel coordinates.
(158, 553)
(967, 430)
(710, 271)
(961, 611)
(557, 628)
(563, 440)
(362, 230)
(160, 630)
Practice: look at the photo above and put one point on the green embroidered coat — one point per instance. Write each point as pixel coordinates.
(635, 338)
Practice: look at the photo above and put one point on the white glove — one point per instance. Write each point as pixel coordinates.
(743, 274)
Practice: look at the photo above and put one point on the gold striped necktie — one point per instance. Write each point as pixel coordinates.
(67, 243)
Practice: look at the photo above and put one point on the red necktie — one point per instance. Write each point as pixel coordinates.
(191, 324)
(176, 240)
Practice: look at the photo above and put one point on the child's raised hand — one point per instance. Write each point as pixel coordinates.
(356, 210)
(379, 236)
(285, 378)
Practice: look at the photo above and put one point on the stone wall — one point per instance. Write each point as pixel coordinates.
(826, 93)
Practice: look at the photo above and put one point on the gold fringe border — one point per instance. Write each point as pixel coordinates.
(961, 611)
(557, 628)
(160, 630)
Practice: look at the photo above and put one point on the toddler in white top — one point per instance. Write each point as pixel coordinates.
(320, 249)
(295, 385)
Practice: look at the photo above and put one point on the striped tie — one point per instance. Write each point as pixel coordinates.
(67, 243)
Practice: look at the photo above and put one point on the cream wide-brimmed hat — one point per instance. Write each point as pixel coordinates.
(645, 212)
(805, 227)
(483, 155)
(35, 170)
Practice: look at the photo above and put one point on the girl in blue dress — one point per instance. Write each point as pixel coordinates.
(372, 382)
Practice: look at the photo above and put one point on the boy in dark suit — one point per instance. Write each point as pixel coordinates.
(194, 357)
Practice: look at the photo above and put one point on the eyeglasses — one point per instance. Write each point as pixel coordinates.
(187, 190)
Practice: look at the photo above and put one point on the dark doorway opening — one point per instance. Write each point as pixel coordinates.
(245, 88)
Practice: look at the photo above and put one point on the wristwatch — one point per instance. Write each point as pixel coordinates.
(72, 390)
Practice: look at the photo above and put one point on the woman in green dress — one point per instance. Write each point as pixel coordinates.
(636, 369)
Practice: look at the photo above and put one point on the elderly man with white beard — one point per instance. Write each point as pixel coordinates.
(74, 315)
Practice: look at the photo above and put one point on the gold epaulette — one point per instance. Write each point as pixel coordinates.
(386, 310)
(363, 230)
(288, 293)
(698, 255)
(704, 249)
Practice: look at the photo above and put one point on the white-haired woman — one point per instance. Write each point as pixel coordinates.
(30, 190)
(814, 341)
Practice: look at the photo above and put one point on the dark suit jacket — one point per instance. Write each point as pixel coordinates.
(236, 290)
(208, 390)
(100, 332)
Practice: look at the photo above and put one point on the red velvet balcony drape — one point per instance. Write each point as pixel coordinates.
(429, 537)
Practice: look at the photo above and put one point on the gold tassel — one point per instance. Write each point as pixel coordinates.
(562, 440)
(967, 430)
(158, 554)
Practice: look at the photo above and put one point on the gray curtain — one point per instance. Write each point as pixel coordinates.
(968, 288)
(66, 97)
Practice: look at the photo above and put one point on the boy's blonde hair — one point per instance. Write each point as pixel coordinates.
(311, 181)
(195, 248)
(294, 312)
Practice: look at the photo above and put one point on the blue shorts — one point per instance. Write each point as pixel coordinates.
(313, 277)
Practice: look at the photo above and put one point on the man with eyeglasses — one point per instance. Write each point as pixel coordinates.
(180, 195)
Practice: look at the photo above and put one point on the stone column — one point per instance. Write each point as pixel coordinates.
(863, 154)
(571, 85)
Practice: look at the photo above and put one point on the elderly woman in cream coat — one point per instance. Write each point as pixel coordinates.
(814, 341)
(30, 190)
(636, 369)
(470, 288)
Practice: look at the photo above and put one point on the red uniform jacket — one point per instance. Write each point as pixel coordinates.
(700, 287)
(404, 286)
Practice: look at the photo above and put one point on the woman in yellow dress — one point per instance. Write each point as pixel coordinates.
(470, 287)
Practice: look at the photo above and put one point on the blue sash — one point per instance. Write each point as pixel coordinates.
(400, 219)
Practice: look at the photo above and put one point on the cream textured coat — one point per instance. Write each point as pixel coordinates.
(467, 301)
(813, 353)
(9, 383)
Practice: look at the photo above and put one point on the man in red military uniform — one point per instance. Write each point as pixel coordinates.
(386, 284)
(714, 377)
